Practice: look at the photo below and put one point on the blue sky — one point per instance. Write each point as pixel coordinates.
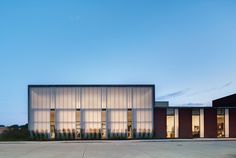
(187, 48)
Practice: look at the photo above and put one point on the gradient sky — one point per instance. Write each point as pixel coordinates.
(187, 48)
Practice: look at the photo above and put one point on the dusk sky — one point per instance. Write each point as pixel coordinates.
(186, 48)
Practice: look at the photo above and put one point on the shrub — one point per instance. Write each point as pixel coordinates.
(82, 133)
(64, 134)
(134, 133)
(109, 134)
(32, 135)
(68, 134)
(100, 133)
(73, 134)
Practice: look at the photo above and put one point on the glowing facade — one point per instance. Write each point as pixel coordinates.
(121, 112)
(107, 109)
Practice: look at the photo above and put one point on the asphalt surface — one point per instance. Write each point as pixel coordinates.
(119, 149)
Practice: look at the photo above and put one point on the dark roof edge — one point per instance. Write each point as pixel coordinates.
(224, 97)
(188, 107)
(91, 85)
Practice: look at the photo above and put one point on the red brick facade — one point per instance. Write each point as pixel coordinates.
(232, 123)
(210, 123)
(160, 122)
(185, 123)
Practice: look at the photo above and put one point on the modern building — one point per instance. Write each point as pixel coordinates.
(217, 121)
(117, 110)
(123, 111)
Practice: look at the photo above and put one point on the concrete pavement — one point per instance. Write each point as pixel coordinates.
(118, 149)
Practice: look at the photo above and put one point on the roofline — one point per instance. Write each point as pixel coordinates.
(189, 107)
(225, 97)
(91, 85)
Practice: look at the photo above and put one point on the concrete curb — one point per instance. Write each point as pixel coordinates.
(122, 141)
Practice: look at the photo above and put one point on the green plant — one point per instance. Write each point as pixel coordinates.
(140, 134)
(82, 133)
(68, 134)
(40, 136)
(95, 135)
(46, 136)
(64, 134)
(144, 133)
(134, 132)
(56, 135)
(32, 135)
(109, 134)
(60, 135)
(73, 134)
(100, 133)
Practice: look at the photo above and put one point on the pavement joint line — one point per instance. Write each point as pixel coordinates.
(84, 151)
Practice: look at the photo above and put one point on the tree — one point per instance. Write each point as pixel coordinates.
(16, 132)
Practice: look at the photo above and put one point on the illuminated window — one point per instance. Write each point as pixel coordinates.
(196, 123)
(78, 128)
(52, 124)
(170, 120)
(220, 123)
(129, 119)
(104, 124)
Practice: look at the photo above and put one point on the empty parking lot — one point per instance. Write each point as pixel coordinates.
(118, 149)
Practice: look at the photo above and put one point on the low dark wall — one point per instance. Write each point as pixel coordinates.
(232, 123)
(185, 123)
(160, 122)
(210, 123)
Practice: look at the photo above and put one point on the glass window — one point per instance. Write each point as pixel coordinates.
(170, 120)
(196, 123)
(220, 123)
(78, 126)
(52, 123)
(129, 117)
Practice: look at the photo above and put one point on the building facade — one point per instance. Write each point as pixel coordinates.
(88, 110)
(124, 112)
(217, 121)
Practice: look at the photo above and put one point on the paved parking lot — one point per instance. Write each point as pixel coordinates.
(119, 149)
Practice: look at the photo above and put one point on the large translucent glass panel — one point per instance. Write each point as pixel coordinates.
(143, 115)
(142, 120)
(142, 98)
(40, 98)
(91, 127)
(91, 120)
(40, 127)
(142, 109)
(92, 115)
(91, 98)
(39, 120)
(118, 127)
(65, 98)
(117, 115)
(65, 119)
(117, 121)
(117, 98)
(40, 116)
